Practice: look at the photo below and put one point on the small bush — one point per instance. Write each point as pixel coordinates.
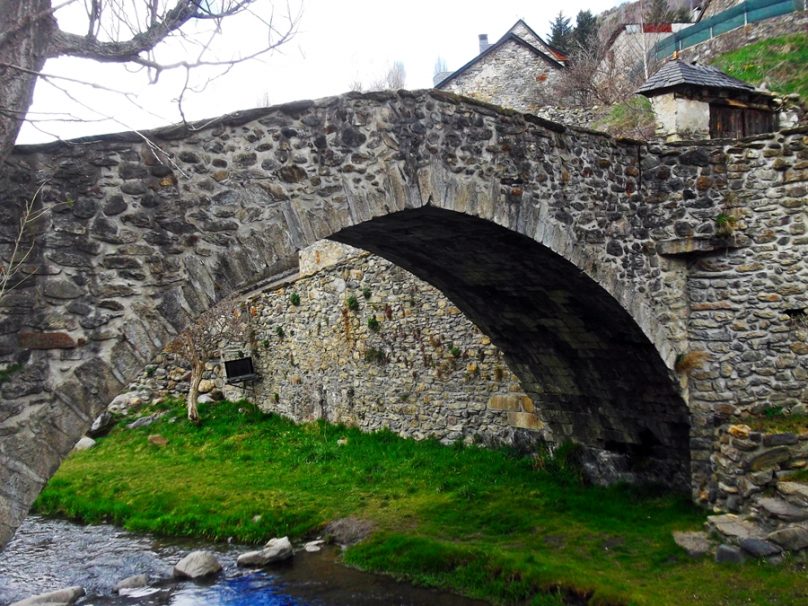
(690, 361)
(279, 331)
(455, 351)
(373, 324)
(8, 371)
(366, 293)
(633, 118)
(352, 303)
(725, 224)
(294, 299)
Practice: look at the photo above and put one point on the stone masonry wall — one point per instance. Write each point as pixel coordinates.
(426, 372)
(370, 345)
(747, 300)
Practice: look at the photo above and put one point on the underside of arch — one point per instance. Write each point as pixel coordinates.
(594, 375)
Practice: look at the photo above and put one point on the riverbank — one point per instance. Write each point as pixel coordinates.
(489, 524)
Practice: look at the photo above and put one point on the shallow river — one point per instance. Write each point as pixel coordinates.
(51, 554)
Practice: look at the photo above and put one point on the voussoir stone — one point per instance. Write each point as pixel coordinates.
(196, 565)
(276, 550)
(61, 597)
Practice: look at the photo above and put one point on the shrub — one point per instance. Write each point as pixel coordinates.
(353, 303)
(373, 324)
(294, 299)
(688, 362)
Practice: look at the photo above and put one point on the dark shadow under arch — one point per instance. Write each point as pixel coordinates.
(595, 376)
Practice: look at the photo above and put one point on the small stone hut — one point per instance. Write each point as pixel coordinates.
(702, 102)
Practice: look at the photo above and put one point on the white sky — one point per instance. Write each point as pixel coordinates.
(338, 42)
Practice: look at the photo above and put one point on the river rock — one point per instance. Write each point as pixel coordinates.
(794, 492)
(695, 543)
(196, 565)
(760, 548)
(102, 424)
(62, 597)
(347, 531)
(145, 421)
(206, 386)
(734, 527)
(729, 554)
(133, 582)
(205, 398)
(783, 509)
(792, 538)
(126, 401)
(276, 550)
(314, 546)
(84, 444)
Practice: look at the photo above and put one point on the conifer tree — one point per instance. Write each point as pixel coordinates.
(561, 33)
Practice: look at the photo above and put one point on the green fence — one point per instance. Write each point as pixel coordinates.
(750, 11)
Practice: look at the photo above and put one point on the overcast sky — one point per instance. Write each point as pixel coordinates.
(338, 42)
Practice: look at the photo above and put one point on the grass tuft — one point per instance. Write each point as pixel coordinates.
(780, 61)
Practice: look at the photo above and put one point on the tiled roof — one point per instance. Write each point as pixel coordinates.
(678, 73)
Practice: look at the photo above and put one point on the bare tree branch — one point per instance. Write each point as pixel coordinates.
(118, 31)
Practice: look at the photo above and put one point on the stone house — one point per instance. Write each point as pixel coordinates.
(629, 43)
(701, 102)
(518, 71)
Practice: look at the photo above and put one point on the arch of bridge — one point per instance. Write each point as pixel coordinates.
(538, 232)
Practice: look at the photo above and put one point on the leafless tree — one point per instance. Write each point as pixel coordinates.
(133, 32)
(204, 339)
(394, 78)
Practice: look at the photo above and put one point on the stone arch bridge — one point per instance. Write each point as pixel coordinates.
(591, 262)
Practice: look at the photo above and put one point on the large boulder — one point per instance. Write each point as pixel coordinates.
(128, 401)
(62, 597)
(276, 550)
(196, 565)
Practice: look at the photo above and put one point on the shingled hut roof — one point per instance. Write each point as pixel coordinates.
(676, 74)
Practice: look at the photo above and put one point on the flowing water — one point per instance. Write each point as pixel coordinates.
(51, 554)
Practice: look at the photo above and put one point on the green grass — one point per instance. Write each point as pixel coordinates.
(633, 119)
(780, 61)
(776, 422)
(486, 523)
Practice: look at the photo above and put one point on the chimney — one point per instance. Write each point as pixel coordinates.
(483, 42)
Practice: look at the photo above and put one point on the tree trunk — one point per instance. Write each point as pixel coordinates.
(193, 391)
(26, 28)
